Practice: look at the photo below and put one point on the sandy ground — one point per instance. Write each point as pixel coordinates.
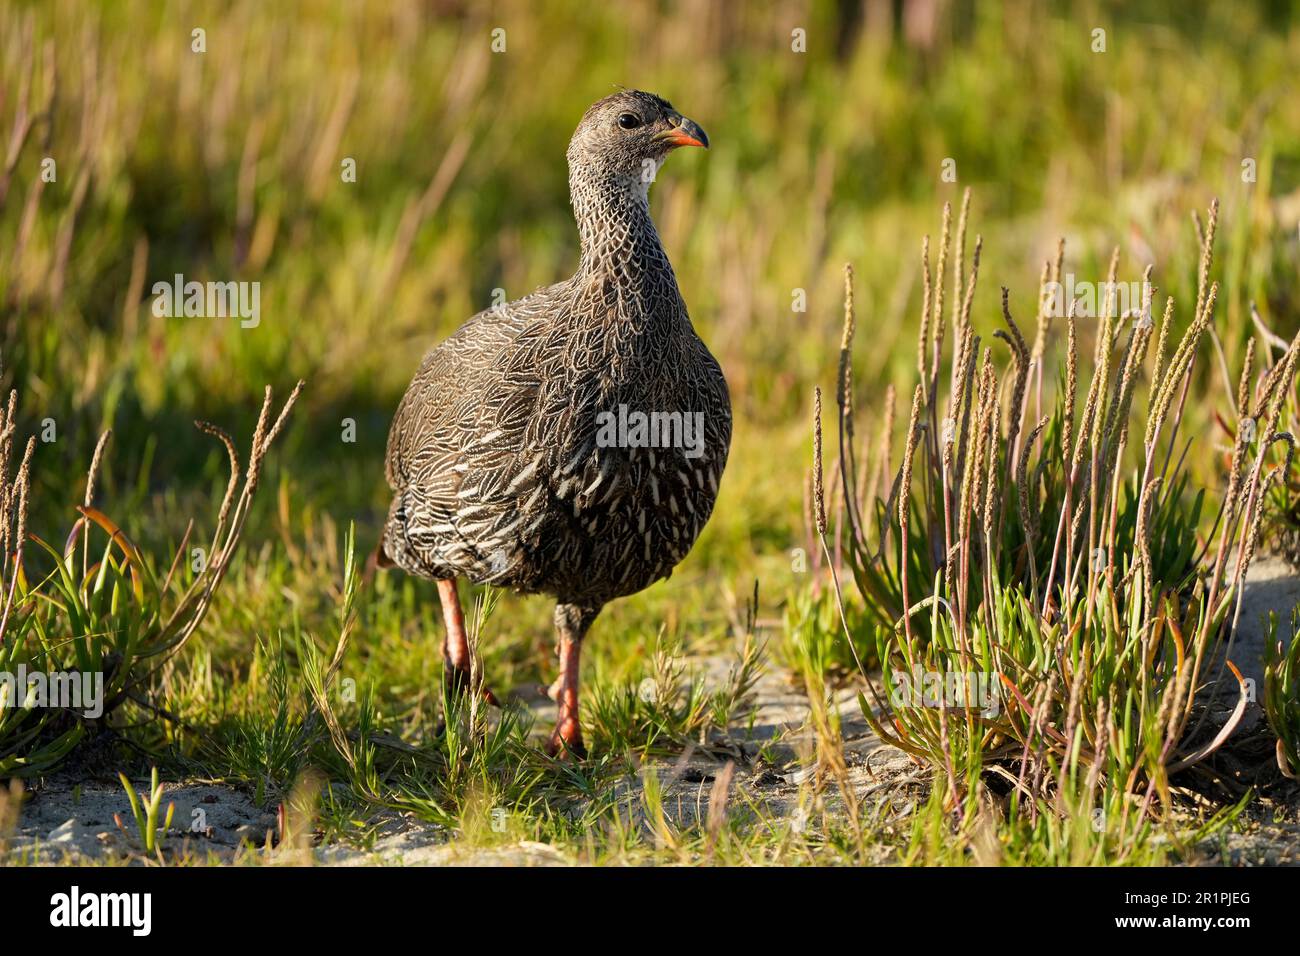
(65, 820)
(1271, 585)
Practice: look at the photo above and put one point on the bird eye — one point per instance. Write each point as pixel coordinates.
(629, 121)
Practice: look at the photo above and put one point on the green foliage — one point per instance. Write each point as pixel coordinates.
(145, 809)
(667, 708)
(1044, 615)
(817, 158)
(103, 621)
(1281, 698)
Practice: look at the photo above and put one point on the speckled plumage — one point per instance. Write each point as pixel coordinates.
(493, 457)
(502, 460)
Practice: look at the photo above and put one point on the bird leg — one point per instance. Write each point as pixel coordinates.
(456, 656)
(571, 624)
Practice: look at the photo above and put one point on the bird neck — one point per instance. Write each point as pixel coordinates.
(618, 236)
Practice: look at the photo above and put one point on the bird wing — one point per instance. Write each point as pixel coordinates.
(459, 446)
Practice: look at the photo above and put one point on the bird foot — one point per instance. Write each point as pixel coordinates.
(566, 740)
(460, 679)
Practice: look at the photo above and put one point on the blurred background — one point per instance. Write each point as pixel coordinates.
(832, 125)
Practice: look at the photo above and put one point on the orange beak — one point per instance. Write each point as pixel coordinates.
(683, 133)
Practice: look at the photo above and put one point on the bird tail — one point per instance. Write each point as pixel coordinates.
(379, 557)
(377, 561)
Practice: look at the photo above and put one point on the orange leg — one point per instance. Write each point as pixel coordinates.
(571, 624)
(457, 663)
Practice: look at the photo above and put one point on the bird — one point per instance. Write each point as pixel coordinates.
(569, 443)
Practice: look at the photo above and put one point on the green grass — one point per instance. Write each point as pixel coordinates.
(1048, 620)
(225, 165)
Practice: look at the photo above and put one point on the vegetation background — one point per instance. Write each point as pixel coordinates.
(830, 124)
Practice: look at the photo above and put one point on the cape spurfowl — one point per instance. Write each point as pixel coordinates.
(571, 442)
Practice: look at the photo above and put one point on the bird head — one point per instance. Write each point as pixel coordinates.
(629, 134)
